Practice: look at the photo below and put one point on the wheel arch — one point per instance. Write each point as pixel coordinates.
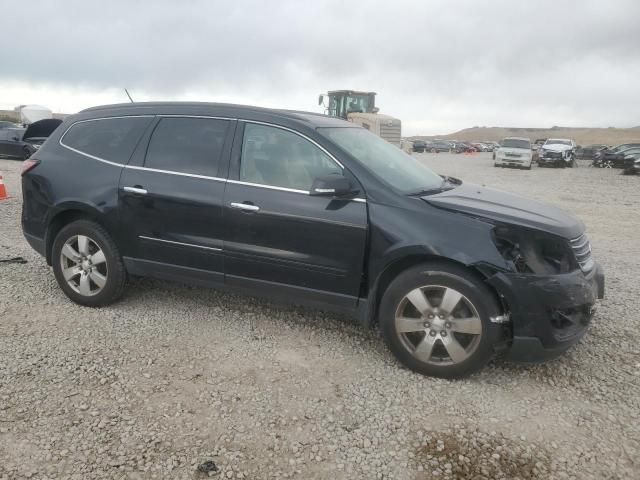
(396, 267)
(64, 216)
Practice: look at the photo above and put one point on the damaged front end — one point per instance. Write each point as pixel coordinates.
(550, 290)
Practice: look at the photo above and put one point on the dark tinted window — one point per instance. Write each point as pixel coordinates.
(272, 156)
(187, 145)
(111, 139)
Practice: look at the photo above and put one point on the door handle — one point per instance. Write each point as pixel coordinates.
(245, 206)
(136, 190)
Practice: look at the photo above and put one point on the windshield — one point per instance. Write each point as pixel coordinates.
(341, 105)
(386, 161)
(554, 141)
(515, 143)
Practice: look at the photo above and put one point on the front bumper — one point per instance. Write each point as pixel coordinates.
(516, 162)
(552, 161)
(549, 313)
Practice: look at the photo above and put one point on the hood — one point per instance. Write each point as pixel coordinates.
(41, 128)
(557, 147)
(507, 208)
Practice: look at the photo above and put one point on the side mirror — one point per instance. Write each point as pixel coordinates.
(330, 186)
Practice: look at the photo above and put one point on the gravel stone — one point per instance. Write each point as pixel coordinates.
(174, 375)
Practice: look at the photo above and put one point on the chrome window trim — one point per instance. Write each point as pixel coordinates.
(193, 175)
(171, 172)
(180, 243)
(269, 187)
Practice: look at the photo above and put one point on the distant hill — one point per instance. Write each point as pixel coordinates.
(582, 136)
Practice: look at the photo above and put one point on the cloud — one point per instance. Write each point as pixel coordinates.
(438, 65)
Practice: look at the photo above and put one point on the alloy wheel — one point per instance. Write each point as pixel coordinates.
(84, 265)
(438, 325)
(608, 164)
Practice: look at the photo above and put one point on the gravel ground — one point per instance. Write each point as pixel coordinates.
(173, 376)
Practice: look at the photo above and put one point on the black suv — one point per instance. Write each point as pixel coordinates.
(312, 209)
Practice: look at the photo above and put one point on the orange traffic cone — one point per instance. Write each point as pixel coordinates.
(3, 190)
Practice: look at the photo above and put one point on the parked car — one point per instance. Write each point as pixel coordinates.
(440, 146)
(419, 146)
(22, 143)
(491, 146)
(614, 159)
(463, 147)
(588, 152)
(514, 152)
(4, 124)
(312, 209)
(632, 164)
(557, 152)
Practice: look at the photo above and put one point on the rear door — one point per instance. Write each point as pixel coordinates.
(278, 238)
(171, 203)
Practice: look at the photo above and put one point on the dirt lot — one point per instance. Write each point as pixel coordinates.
(173, 375)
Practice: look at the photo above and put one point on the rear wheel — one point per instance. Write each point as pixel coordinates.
(87, 264)
(25, 153)
(435, 318)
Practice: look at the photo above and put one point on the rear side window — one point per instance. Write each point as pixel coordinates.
(112, 139)
(187, 145)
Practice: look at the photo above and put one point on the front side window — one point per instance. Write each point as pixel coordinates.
(187, 145)
(275, 157)
(112, 139)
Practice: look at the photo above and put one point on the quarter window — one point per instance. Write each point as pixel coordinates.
(187, 145)
(112, 139)
(277, 157)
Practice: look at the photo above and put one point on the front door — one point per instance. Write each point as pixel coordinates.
(278, 238)
(171, 205)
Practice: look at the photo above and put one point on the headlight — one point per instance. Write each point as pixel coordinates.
(533, 252)
(35, 145)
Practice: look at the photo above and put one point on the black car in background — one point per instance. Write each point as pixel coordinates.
(439, 146)
(614, 158)
(419, 146)
(632, 164)
(312, 209)
(588, 152)
(21, 143)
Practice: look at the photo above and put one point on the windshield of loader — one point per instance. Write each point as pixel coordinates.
(343, 104)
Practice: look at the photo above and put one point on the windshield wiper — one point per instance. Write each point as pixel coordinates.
(445, 185)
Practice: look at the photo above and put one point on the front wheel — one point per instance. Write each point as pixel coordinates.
(436, 320)
(87, 264)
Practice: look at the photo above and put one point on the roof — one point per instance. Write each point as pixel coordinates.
(517, 138)
(216, 109)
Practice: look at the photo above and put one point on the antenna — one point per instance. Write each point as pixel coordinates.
(127, 92)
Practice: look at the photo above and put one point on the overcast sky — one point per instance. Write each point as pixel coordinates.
(437, 65)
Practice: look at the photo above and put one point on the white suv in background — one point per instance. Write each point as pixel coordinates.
(514, 152)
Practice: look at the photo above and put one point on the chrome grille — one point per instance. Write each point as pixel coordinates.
(582, 250)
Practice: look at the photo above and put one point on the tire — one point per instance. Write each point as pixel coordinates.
(476, 303)
(109, 272)
(433, 150)
(26, 154)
